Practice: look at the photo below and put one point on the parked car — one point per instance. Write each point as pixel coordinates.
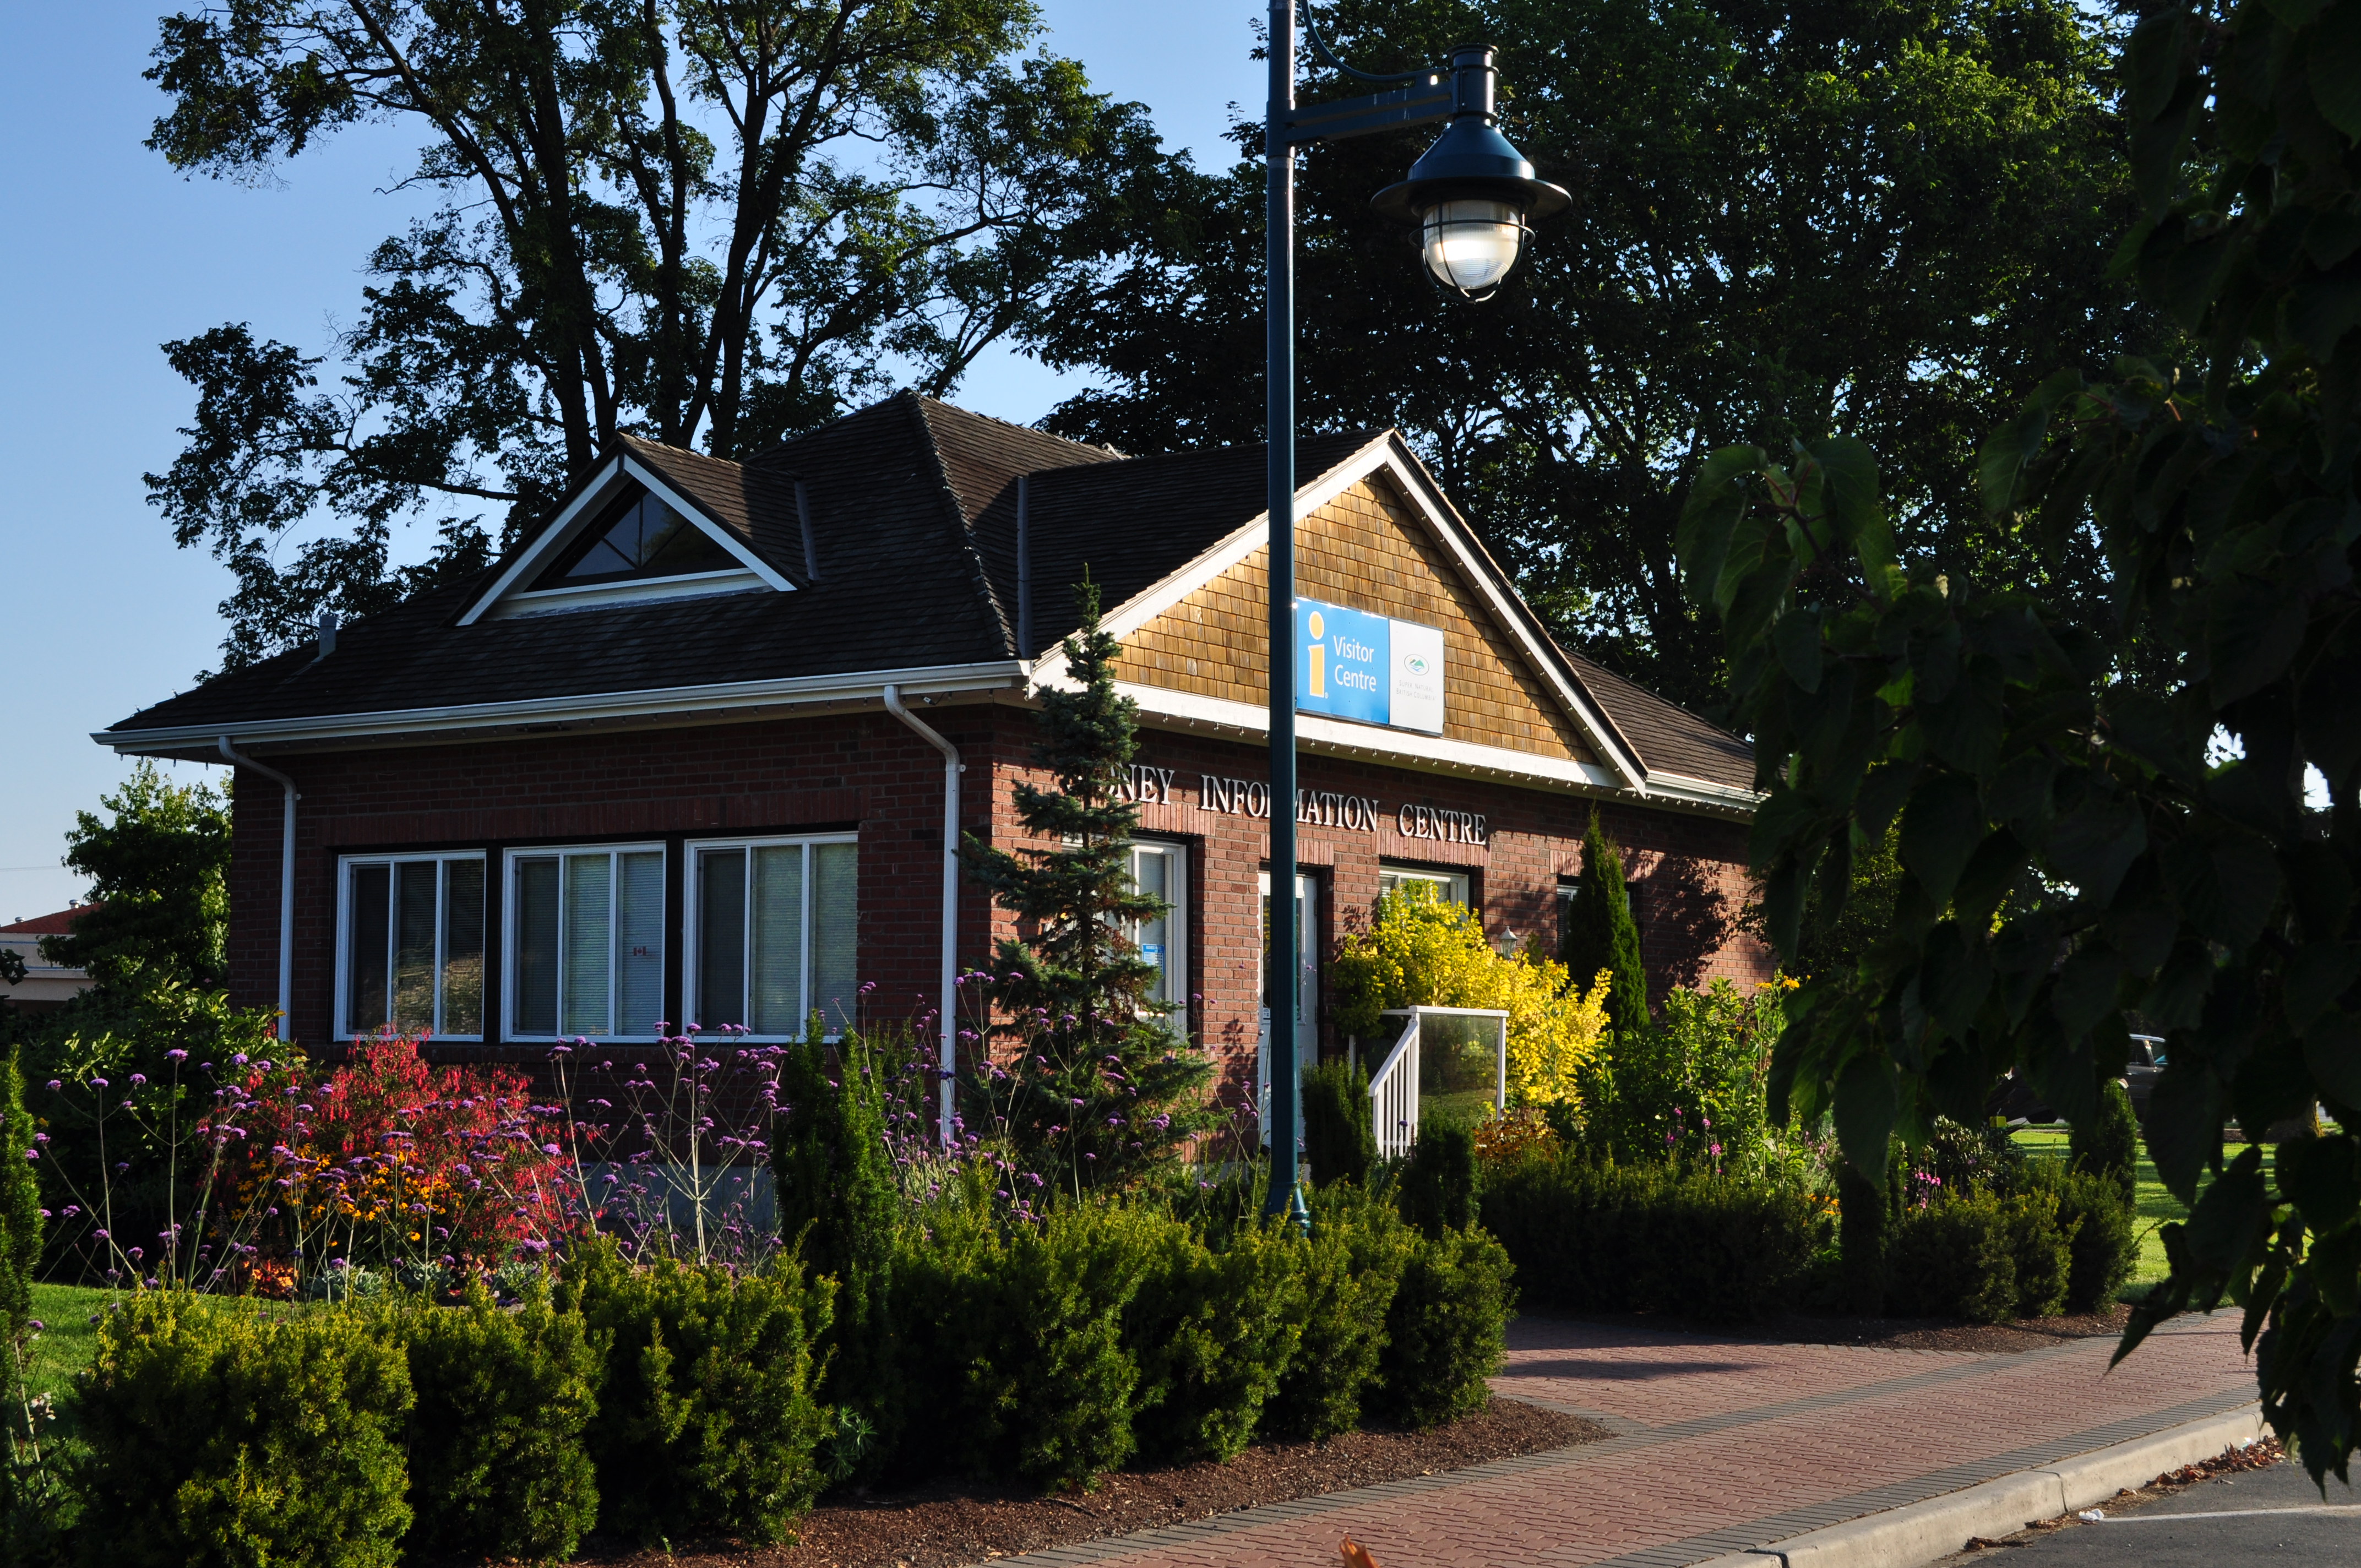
(2140, 1074)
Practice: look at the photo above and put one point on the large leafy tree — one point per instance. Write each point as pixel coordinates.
(158, 865)
(1868, 216)
(2082, 833)
(711, 220)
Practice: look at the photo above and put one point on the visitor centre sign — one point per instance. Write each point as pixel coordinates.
(1370, 668)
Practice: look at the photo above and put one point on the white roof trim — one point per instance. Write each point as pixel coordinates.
(1162, 707)
(864, 686)
(1383, 455)
(589, 501)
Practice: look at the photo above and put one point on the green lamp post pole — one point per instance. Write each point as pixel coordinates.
(1470, 196)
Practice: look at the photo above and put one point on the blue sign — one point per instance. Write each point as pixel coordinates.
(1352, 664)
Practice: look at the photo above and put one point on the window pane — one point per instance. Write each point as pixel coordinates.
(588, 941)
(463, 947)
(367, 986)
(639, 943)
(835, 931)
(413, 945)
(778, 991)
(537, 954)
(1152, 870)
(720, 937)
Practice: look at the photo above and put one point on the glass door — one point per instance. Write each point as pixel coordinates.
(1307, 988)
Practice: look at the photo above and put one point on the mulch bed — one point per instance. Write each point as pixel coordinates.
(957, 1523)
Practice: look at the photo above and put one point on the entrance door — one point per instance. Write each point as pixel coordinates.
(1307, 989)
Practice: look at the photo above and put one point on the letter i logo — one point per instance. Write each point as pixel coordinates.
(1319, 683)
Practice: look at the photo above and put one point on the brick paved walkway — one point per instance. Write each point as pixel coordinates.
(1722, 1445)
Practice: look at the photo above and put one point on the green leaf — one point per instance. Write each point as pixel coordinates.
(2226, 882)
(2332, 54)
(2316, 976)
(1940, 828)
(1990, 874)
(2017, 440)
(2085, 991)
(2332, 1053)
(2093, 845)
(1795, 636)
(1881, 796)
(1869, 1095)
(2252, 631)
(2019, 794)
(1848, 491)
(2183, 1129)
(2151, 68)
(1715, 503)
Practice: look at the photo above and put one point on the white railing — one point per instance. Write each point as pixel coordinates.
(1393, 1087)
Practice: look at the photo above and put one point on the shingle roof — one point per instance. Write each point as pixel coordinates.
(56, 925)
(913, 507)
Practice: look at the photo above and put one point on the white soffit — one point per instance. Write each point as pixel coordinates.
(1383, 455)
(611, 476)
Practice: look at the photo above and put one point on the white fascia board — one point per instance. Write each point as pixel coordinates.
(1164, 708)
(1704, 792)
(1382, 454)
(866, 685)
(688, 585)
(596, 493)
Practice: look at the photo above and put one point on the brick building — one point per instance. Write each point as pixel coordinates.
(649, 767)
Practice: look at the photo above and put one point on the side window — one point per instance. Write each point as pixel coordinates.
(412, 951)
(772, 928)
(586, 943)
(1162, 871)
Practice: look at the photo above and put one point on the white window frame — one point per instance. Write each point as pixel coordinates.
(1450, 887)
(511, 947)
(692, 905)
(345, 864)
(1176, 921)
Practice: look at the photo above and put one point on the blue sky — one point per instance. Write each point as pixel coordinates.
(111, 253)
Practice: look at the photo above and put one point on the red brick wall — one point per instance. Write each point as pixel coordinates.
(868, 770)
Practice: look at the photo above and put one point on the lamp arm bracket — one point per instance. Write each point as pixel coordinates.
(1422, 102)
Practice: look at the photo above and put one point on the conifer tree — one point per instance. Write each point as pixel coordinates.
(20, 1203)
(1099, 1082)
(1602, 936)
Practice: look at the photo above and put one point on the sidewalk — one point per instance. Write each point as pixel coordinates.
(1722, 1445)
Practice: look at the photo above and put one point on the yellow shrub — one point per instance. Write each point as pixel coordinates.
(1427, 952)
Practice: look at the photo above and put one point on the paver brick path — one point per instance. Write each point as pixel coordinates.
(1722, 1445)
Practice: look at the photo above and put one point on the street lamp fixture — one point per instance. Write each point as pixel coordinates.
(1472, 196)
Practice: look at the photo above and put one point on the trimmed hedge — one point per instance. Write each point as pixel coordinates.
(1601, 1238)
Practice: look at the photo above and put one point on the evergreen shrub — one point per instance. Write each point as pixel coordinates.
(498, 1465)
(1439, 1185)
(1864, 1206)
(1446, 1329)
(1358, 1249)
(224, 1432)
(1649, 1238)
(2109, 1147)
(2101, 1244)
(1338, 1137)
(707, 1420)
(1956, 1257)
(2042, 1250)
(1211, 1332)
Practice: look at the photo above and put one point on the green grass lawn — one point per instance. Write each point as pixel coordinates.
(68, 1338)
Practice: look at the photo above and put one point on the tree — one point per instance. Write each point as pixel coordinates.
(1601, 937)
(158, 878)
(1807, 218)
(2084, 834)
(20, 1210)
(1100, 1087)
(687, 219)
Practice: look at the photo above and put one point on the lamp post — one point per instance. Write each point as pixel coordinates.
(1470, 194)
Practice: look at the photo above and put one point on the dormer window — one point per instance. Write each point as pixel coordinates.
(638, 537)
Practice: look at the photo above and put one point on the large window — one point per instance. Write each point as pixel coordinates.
(773, 926)
(1162, 871)
(414, 945)
(1450, 887)
(585, 954)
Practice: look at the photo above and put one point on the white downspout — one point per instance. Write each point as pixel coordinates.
(953, 767)
(286, 888)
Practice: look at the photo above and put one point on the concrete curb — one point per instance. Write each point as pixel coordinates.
(1922, 1532)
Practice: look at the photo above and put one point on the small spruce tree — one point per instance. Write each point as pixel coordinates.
(1100, 1085)
(1602, 936)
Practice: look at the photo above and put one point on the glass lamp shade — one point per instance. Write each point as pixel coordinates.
(1470, 244)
